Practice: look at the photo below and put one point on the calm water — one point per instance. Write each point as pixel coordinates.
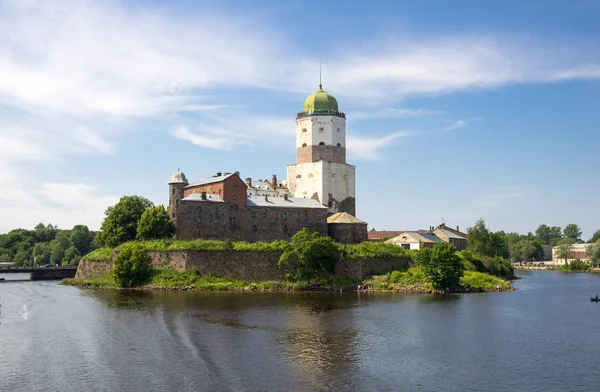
(543, 337)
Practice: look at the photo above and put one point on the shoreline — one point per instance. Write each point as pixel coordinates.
(313, 288)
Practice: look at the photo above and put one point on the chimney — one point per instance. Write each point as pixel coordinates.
(249, 181)
(203, 195)
(457, 228)
(219, 174)
(274, 181)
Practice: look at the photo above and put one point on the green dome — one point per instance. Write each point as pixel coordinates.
(320, 101)
(178, 177)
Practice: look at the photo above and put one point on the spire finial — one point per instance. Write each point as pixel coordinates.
(320, 84)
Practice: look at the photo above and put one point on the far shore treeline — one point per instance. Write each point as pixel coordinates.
(136, 218)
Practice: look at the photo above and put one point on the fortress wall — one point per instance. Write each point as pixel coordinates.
(241, 265)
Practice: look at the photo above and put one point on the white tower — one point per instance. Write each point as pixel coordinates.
(321, 171)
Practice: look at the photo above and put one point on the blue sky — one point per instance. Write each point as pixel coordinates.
(456, 109)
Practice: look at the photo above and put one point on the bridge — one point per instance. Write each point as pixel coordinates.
(37, 273)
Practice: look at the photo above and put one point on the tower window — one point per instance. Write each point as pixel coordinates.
(173, 192)
(321, 143)
(303, 144)
(303, 129)
(310, 174)
(254, 228)
(339, 144)
(338, 129)
(285, 229)
(321, 129)
(298, 176)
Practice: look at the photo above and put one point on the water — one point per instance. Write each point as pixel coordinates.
(543, 337)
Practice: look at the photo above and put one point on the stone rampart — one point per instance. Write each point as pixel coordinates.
(241, 265)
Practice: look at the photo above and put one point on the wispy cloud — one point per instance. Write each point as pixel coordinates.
(457, 124)
(370, 148)
(499, 198)
(394, 112)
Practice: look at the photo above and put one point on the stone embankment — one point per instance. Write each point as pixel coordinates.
(241, 265)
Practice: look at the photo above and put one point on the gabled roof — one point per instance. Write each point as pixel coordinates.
(278, 201)
(380, 234)
(344, 217)
(451, 233)
(414, 236)
(210, 180)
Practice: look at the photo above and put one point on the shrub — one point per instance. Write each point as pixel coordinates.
(441, 265)
(133, 265)
(308, 254)
(374, 250)
(479, 280)
(576, 265)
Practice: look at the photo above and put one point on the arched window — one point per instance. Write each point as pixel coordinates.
(298, 176)
(303, 129)
(321, 143)
(303, 144)
(339, 144)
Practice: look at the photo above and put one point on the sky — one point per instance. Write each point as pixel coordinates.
(456, 110)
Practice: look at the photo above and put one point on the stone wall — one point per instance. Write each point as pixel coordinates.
(241, 265)
(347, 233)
(88, 268)
(306, 154)
(219, 221)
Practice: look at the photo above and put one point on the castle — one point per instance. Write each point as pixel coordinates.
(319, 193)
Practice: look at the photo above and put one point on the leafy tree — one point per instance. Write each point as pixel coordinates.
(573, 231)
(155, 223)
(595, 237)
(120, 224)
(82, 238)
(59, 246)
(479, 237)
(498, 245)
(72, 256)
(5, 256)
(42, 253)
(593, 251)
(133, 266)
(308, 254)
(24, 252)
(441, 265)
(565, 249)
(526, 250)
(44, 233)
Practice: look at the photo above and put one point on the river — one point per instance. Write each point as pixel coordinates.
(545, 336)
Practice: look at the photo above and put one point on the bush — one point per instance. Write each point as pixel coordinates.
(441, 265)
(133, 266)
(155, 223)
(576, 265)
(374, 250)
(479, 280)
(308, 254)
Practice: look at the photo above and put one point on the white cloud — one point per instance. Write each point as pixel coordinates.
(499, 198)
(457, 124)
(393, 112)
(369, 148)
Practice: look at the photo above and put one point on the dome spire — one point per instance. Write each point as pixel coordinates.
(320, 83)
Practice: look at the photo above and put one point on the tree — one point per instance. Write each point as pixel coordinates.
(307, 254)
(44, 233)
(81, 237)
(59, 246)
(24, 252)
(42, 253)
(72, 256)
(546, 234)
(565, 249)
(573, 231)
(526, 250)
(155, 223)
(133, 266)
(498, 245)
(479, 237)
(120, 224)
(595, 237)
(593, 251)
(441, 265)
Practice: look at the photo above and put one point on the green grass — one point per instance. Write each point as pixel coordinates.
(374, 250)
(105, 280)
(486, 282)
(102, 254)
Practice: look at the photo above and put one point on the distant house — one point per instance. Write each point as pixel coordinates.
(547, 252)
(346, 229)
(415, 240)
(452, 236)
(578, 252)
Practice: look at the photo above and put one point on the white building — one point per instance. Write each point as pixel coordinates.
(321, 171)
(414, 240)
(577, 252)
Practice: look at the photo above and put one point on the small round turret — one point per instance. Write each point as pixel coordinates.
(178, 177)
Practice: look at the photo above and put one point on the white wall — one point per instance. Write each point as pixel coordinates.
(333, 131)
